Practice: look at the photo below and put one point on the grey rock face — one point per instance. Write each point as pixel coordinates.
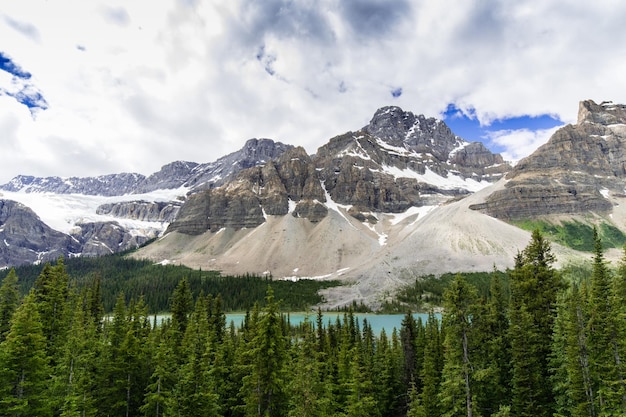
(255, 193)
(147, 211)
(566, 174)
(255, 152)
(105, 238)
(24, 238)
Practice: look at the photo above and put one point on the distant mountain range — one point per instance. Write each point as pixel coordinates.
(400, 197)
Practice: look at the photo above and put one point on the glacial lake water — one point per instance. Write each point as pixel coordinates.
(378, 322)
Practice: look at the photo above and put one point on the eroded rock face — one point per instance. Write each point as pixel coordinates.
(24, 238)
(385, 166)
(255, 193)
(148, 211)
(568, 173)
(105, 238)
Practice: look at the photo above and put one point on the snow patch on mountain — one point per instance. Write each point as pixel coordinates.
(65, 212)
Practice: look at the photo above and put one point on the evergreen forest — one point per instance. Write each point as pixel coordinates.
(540, 345)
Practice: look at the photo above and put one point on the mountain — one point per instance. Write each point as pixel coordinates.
(401, 197)
(101, 215)
(575, 172)
(190, 175)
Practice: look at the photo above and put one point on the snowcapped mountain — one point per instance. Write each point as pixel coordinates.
(401, 197)
(110, 213)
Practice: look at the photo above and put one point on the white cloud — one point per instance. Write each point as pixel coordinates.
(519, 143)
(134, 85)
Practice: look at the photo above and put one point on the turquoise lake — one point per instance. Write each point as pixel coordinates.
(378, 322)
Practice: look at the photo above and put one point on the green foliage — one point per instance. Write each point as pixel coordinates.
(575, 234)
(539, 349)
(137, 278)
(427, 290)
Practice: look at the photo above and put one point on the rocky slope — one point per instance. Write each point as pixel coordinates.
(573, 173)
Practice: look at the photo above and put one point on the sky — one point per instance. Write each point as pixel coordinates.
(98, 87)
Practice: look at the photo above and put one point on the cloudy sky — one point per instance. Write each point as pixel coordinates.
(96, 87)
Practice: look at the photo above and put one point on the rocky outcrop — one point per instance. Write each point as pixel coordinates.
(255, 152)
(147, 211)
(105, 238)
(570, 172)
(387, 165)
(24, 238)
(254, 194)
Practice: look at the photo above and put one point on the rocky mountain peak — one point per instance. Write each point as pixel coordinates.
(605, 113)
(263, 149)
(413, 132)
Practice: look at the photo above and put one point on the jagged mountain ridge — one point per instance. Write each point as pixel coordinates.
(111, 213)
(190, 175)
(396, 162)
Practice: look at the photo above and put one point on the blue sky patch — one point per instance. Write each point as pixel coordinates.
(21, 88)
(468, 127)
(7, 64)
(396, 92)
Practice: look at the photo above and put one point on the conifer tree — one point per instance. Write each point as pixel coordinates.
(51, 290)
(9, 302)
(431, 371)
(264, 388)
(24, 365)
(534, 288)
(457, 386)
(305, 387)
(603, 351)
(571, 379)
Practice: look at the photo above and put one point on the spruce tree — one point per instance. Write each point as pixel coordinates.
(603, 351)
(264, 388)
(24, 365)
(534, 288)
(9, 301)
(457, 386)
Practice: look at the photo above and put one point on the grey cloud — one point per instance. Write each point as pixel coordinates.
(24, 28)
(285, 19)
(117, 15)
(371, 18)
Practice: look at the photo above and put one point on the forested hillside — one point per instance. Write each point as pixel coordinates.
(546, 347)
(134, 278)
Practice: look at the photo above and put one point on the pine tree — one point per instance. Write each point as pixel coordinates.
(9, 302)
(571, 379)
(263, 389)
(51, 290)
(24, 365)
(431, 371)
(492, 356)
(193, 392)
(457, 395)
(305, 387)
(534, 288)
(602, 335)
